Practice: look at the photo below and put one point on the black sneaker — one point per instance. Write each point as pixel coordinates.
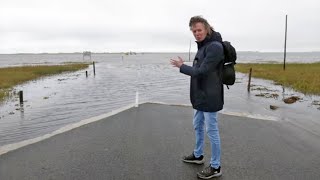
(209, 172)
(192, 159)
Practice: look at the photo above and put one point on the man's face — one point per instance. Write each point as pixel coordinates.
(199, 31)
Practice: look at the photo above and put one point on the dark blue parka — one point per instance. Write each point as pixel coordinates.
(206, 88)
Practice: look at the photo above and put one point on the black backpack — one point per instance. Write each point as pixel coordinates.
(230, 57)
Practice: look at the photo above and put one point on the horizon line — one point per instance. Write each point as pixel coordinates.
(141, 52)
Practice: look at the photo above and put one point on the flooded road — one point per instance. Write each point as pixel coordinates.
(56, 101)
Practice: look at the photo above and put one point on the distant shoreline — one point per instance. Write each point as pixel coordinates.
(174, 52)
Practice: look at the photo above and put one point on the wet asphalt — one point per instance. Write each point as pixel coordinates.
(148, 142)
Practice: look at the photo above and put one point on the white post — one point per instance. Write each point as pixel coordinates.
(137, 99)
(137, 90)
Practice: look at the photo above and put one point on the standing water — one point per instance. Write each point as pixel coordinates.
(56, 101)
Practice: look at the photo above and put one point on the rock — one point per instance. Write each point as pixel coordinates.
(45, 97)
(291, 99)
(11, 113)
(318, 108)
(273, 107)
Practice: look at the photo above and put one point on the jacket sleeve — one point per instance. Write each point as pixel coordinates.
(214, 55)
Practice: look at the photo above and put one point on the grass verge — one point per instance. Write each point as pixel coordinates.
(302, 77)
(11, 76)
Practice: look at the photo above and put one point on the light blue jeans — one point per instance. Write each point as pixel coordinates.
(209, 120)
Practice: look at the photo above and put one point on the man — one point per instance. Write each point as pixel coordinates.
(206, 93)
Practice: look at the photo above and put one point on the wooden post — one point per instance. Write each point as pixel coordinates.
(86, 73)
(249, 83)
(285, 45)
(94, 68)
(21, 97)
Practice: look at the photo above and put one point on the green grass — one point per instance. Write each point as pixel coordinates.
(2, 94)
(302, 77)
(11, 76)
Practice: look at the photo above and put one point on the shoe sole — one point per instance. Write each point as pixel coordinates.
(194, 162)
(209, 177)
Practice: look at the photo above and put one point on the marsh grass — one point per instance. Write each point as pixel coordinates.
(11, 76)
(302, 77)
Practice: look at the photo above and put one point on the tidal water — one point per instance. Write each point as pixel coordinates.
(56, 101)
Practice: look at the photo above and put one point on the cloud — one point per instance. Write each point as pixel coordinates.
(122, 25)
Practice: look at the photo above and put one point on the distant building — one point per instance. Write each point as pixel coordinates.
(86, 54)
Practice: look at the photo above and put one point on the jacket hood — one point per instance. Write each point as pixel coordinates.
(215, 36)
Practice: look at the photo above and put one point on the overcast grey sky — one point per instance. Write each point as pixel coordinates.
(37, 26)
